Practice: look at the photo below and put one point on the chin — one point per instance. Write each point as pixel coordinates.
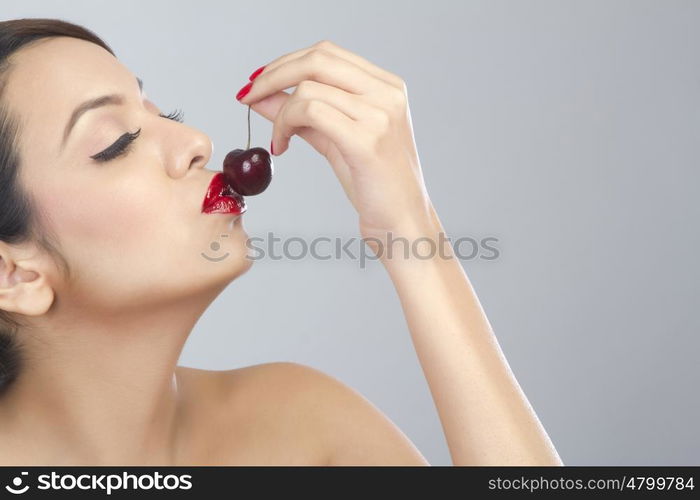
(239, 263)
(245, 264)
(221, 274)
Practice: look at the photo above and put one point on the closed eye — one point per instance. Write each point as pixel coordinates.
(118, 148)
(122, 145)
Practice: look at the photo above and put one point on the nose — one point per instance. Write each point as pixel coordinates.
(191, 149)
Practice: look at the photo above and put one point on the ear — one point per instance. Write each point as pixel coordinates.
(24, 287)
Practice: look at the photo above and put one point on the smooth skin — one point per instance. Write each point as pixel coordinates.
(101, 384)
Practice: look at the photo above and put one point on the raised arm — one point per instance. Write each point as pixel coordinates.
(485, 415)
(356, 115)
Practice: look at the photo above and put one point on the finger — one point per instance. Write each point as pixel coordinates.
(315, 127)
(348, 103)
(318, 65)
(363, 63)
(271, 107)
(297, 114)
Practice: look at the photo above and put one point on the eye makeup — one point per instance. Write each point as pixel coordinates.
(121, 146)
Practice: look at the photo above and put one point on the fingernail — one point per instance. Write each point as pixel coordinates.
(244, 91)
(272, 150)
(255, 73)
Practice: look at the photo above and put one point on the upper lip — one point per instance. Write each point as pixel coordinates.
(218, 187)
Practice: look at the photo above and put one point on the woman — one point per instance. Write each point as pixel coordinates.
(93, 322)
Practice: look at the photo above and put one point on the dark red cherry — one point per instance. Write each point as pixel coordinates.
(248, 171)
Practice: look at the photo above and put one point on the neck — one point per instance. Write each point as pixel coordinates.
(102, 390)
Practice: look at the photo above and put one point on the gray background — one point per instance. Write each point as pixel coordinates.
(568, 130)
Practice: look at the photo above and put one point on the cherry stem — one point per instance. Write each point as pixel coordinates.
(248, 145)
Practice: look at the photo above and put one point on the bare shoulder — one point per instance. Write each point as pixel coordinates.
(338, 425)
(251, 415)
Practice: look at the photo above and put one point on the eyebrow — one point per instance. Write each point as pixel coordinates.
(92, 104)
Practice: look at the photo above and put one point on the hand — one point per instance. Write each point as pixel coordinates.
(357, 116)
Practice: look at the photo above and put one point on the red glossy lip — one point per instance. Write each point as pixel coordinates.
(221, 199)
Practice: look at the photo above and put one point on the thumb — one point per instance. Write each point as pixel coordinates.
(269, 108)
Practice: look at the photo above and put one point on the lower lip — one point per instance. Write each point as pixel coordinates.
(221, 203)
(224, 205)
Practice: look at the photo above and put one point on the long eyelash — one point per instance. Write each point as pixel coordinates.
(123, 143)
(177, 115)
(118, 148)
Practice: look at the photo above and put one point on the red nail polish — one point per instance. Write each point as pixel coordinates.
(244, 91)
(272, 150)
(255, 73)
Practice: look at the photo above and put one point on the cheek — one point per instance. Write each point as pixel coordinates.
(119, 219)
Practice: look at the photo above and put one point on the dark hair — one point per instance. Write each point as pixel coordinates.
(20, 221)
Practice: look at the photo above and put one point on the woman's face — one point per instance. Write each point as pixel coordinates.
(131, 228)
